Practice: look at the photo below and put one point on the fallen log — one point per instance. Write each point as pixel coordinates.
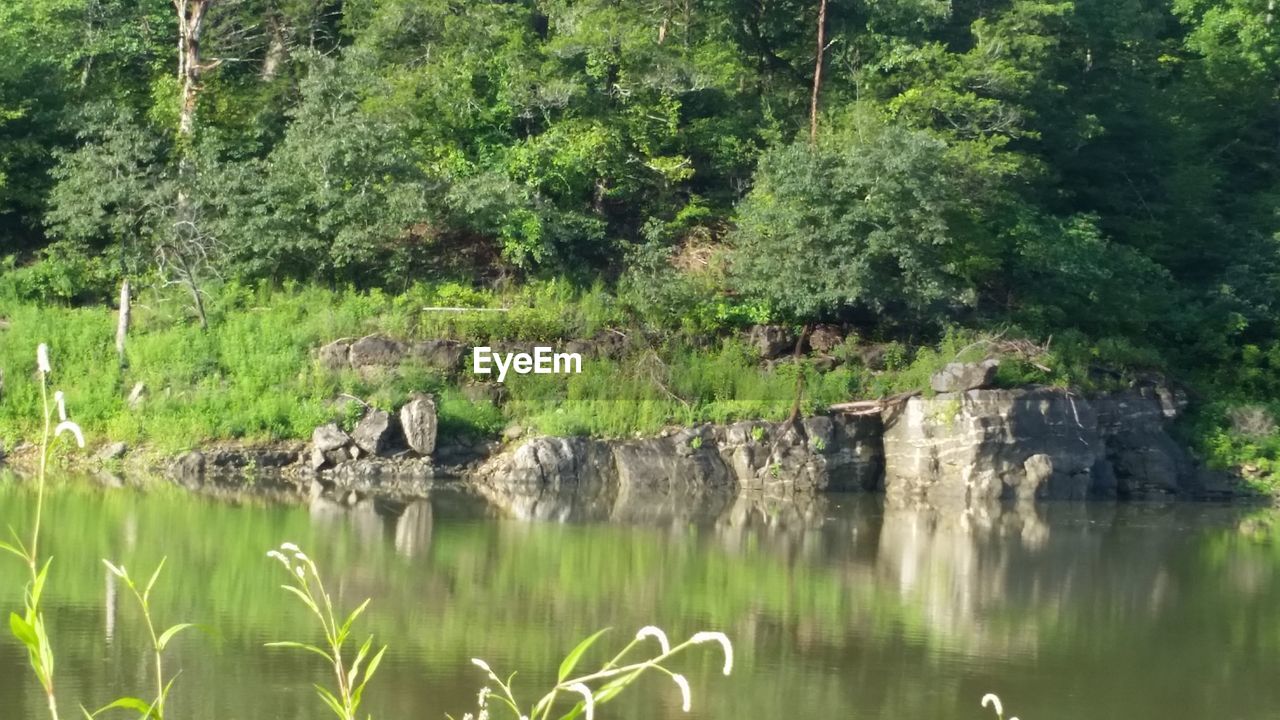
(870, 407)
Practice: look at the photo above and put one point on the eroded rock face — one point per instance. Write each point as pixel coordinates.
(1030, 444)
(1145, 461)
(553, 477)
(825, 338)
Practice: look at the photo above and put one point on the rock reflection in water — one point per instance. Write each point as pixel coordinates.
(407, 524)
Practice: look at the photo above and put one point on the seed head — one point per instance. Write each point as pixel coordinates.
(589, 701)
(707, 636)
(685, 695)
(74, 429)
(42, 359)
(655, 632)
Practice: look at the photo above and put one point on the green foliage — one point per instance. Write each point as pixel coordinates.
(1100, 172)
(864, 218)
(153, 708)
(351, 674)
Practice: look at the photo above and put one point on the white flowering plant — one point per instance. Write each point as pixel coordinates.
(991, 700)
(306, 584)
(602, 685)
(29, 627)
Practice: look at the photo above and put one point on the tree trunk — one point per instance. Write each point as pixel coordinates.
(190, 24)
(122, 325)
(817, 71)
(277, 53)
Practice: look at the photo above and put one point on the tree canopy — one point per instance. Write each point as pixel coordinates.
(1108, 166)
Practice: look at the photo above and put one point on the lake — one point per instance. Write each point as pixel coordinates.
(839, 608)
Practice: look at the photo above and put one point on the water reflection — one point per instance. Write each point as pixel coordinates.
(840, 606)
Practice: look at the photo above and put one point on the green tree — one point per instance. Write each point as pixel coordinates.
(867, 217)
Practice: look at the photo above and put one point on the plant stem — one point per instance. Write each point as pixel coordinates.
(40, 476)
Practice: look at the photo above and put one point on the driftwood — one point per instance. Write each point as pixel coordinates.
(872, 407)
(464, 309)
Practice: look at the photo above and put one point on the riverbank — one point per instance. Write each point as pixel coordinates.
(276, 363)
(966, 449)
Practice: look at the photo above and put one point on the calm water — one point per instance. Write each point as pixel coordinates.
(843, 609)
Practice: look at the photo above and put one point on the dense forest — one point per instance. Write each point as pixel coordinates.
(1104, 170)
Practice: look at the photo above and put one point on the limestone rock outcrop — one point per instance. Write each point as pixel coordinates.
(1034, 443)
(555, 477)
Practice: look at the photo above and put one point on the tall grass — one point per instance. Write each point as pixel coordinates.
(252, 376)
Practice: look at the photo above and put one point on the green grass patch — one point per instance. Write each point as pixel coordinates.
(252, 375)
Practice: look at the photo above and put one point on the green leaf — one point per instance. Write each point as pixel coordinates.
(301, 646)
(575, 712)
(37, 585)
(368, 675)
(610, 690)
(352, 617)
(13, 550)
(302, 596)
(23, 631)
(331, 701)
(571, 660)
(154, 576)
(168, 635)
(354, 672)
(142, 707)
(373, 665)
(116, 570)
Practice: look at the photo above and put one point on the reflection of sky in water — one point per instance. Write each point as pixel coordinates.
(839, 606)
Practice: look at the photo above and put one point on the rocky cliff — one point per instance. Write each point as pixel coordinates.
(1038, 443)
(695, 467)
(976, 445)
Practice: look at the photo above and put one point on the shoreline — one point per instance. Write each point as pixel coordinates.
(956, 449)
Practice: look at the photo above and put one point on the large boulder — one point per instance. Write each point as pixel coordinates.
(958, 377)
(443, 355)
(418, 420)
(825, 338)
(376, 433)
(335, 355)
(771, 341)
(376, 351)
(329, 437)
